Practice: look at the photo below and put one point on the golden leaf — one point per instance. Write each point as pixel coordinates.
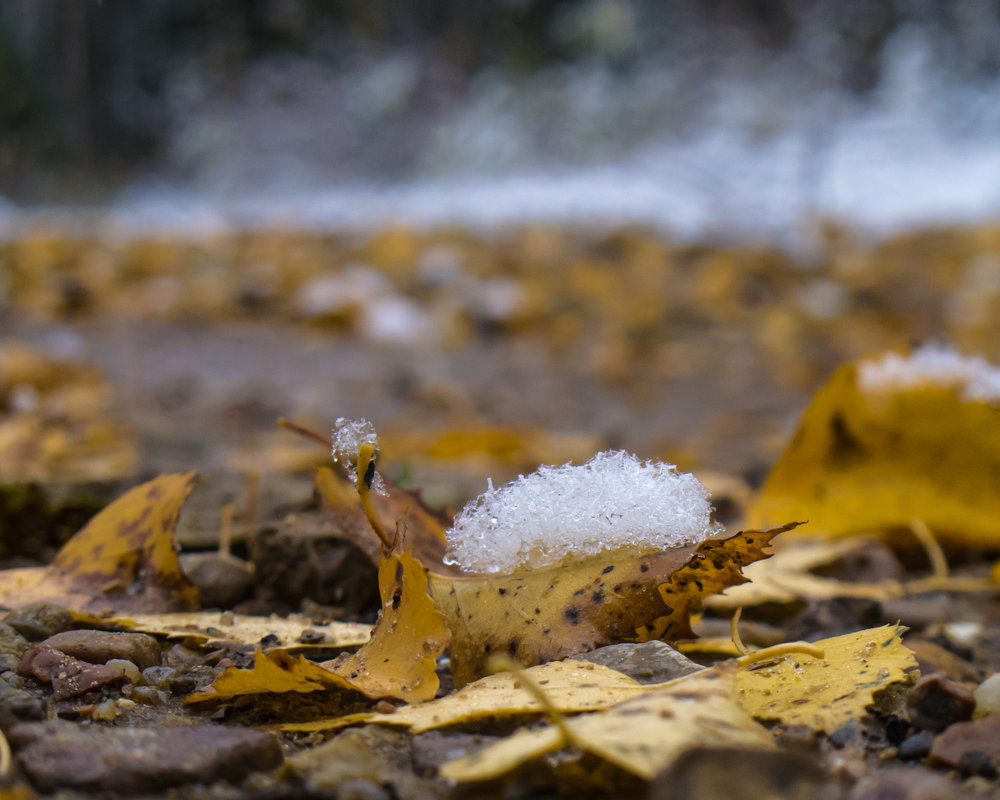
(401, 658)
(571, 686)
(867, 460)
(550, 613)
(643, 735)
(124, 559)
(398, 661)
(826, 693)
(210, 628)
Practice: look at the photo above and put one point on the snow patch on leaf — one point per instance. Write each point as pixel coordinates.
(613, 501)
(935, 365)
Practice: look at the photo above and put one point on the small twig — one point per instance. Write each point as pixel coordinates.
(287, 424)
(734, 632)
(366, 471)
(505, 664)
(924, 535)
(250, 512)
(779, 650)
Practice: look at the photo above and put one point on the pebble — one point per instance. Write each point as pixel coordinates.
(159, 677)
(971, 747)
(40, 620)
(222, 580)
(127, 668)
(904, 784)
(60, 755)
(148, 696)
(648, 662)
(70, 677)
(99, 647)
(916, 746)
(987, 696)
(935, 702)
(12, 646)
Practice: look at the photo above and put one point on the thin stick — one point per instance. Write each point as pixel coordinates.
(287, 424)
(226, 529)
(939, 564)
(366, 468)
(734, 632)
(788, 648)
(250, 511)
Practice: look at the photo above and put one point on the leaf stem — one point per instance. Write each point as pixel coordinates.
(366, 469)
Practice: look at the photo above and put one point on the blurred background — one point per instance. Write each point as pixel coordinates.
(507, 232)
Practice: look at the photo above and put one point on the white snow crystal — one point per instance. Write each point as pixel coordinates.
(348, 436)
(932, 364)
(613, 501)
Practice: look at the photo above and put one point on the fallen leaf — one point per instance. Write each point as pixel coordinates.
(826, 693)
(571, 686)
(124, 559)
(401, 658)
(398, 661)
(643, 735)
(550, 613)
(211, 629)
(872, 458)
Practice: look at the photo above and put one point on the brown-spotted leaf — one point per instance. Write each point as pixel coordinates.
(422, 530)
(550, 613)
(124, 559)
(401, 658)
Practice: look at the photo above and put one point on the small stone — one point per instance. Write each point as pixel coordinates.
(971, 747)
(728, 773)
(987, 696)
(148, 696)
(904, 784)
(933, 658)
(70, 677)
(60, 755)
(12, 646)
(916, 746)
(127, 668)
(431, 749)
(105, 711)
(40, 620)
(99, 647)
(160, 677)
(222, 579)
(359, 789)
(648, 662)
(935, 702)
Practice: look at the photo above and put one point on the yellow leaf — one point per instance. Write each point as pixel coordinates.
(825, 694)
(550, 613)
(272, 672)
(872, 459)
(398, 661)
(124, 559)
(643, 735)
(401, 658)
(210, 628)
(571, 686)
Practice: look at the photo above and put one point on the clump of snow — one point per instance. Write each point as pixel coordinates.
(348, 436)
(613, 501)
(932, 364)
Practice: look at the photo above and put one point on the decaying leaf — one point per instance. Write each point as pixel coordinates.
(124, 559)
(570, 686)
(874, 457)
(210, 628)
(422, 531)
(643, 735)
(551, 613)
(398, 661)
(401, 658)
(826, 693)
(786, 576)
(273, 672)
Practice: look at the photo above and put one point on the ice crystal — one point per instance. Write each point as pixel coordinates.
(932, 364)
(348, 436)
(613, 501)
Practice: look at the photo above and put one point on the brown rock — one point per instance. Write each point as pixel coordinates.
(61, 755)
(99, 647)
(222, 580)
(972, 747)
(936, 702)
(12, 646)
(70, 677)
(905, 784)
(933, 658)
(38, 620)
